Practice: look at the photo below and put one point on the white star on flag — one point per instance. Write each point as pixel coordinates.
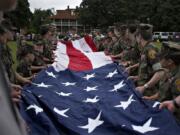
(43, 85)
(50, 74)
(145, 128)
(61, 112)
(118, 86)
(111, 74)
(93, 124)
(125, 104)
(69, 84)
(36, 108)
(93, 100)
(64, 94)
(88, 89)
(89, 76)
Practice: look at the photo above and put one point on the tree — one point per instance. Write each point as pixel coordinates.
(20, 17)
(40, 17)
(163, 14)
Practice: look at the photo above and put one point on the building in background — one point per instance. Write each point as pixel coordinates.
(66, 20)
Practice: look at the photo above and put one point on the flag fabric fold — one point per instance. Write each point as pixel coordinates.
(85, 93)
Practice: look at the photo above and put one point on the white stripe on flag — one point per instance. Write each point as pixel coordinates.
(82, 45)
(98, 59)
(62, 59)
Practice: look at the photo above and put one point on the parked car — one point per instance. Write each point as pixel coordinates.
(162, 36)
(156, 36)
(176, 37)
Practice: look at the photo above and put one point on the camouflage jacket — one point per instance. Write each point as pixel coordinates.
(7, 61)
(47, 49)
(24, 69)
(149, 63)
(169, 88)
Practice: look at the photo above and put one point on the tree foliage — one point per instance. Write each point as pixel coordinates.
(40, 17)
(163, 14)
(20, 17)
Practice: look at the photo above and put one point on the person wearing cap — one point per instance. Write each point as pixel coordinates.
(10, 120)
(150, 70)
(38, 51)
(27, 58)
(117, 44)
(121, 47)
(170, 86)
(46, 36)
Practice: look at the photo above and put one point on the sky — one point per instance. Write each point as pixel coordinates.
(56, 4)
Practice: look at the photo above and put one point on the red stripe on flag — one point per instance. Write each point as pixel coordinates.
(77, 60)
(90, 42)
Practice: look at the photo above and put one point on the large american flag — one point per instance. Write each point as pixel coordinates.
(85, 93)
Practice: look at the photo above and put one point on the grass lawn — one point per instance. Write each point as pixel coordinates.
(13, 47)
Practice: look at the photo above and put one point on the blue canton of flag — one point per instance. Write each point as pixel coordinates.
(95, 102)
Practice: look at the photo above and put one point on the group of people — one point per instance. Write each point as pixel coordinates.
(154, 70)
(31, 58)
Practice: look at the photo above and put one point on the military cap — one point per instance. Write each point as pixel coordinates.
(38, 43)
(26, 49)
(171, 50)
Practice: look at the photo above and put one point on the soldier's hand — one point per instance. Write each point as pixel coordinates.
(128, 69)
(153, 97)
(16, 87)
(26, 81)
(169, 105)
(134, 78)
(16, 93)
(140, 89)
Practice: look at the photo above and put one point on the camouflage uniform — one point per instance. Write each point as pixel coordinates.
(149, 64)
(117, 48)
(164, 86)
(134, 54)
(38, 61)
(8, 62)
(176, 89)
(170, 88)
(24, 69)
(47, 49)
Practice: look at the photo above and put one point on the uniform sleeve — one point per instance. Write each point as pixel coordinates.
(176, 87)
(22, 69)
(153, 59)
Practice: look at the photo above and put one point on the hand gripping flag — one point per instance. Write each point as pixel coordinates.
(85, 93)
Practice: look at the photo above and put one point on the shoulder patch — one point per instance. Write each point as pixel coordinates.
(152, 54)
(177, 83)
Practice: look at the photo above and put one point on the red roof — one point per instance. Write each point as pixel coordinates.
(65, 14)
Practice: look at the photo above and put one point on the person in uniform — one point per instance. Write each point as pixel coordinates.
(121, 45)
(38, 51)
(47, 52)
(10, 120)
(150, 70)
(27, 58)
(169, 87)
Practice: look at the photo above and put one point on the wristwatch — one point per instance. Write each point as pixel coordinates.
(146, 86)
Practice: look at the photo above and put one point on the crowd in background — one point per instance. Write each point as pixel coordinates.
(155, 71)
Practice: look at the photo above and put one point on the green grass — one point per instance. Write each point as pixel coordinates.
(13, 46)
